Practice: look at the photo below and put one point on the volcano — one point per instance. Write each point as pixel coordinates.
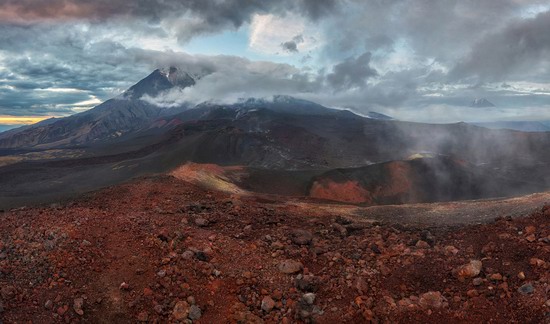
(284, 144)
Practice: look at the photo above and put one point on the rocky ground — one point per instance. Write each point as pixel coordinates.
(162, 250)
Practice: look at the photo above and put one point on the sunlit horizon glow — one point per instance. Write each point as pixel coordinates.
(22, 120)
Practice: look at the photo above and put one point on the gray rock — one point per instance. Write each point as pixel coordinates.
(188, 255)
(195, 312)
(526, 289)
(309, 298)
(267, 304)
(301, 237)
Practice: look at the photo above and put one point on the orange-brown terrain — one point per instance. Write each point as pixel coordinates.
(160, 249)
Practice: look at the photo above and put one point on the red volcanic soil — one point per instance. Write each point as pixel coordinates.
(163, 250)
(349, 191)
(393, 182)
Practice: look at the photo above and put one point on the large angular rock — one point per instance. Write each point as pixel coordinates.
(290, 266)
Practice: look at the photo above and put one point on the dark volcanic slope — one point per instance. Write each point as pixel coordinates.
(417, 180)
(268, 139)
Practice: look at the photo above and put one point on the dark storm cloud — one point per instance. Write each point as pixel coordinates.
(520, 48)
(374, 53)
(291, 46)
(189, 18)
(353, 72)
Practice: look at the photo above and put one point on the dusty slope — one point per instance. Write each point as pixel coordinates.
(175, 245)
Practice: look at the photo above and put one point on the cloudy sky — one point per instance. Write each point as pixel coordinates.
(419, 60)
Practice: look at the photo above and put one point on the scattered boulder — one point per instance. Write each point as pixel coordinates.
(307, 283)
(309, 298)
(201, 222)
(301, 237)
(195, 312)
(290, 266)
(469, 270)
(78, 303)
(188, 255)
(181, 310)
(7, 292)
(267, 304)
(143, 317)
(526, 289)
(432, 299)
(124, 286)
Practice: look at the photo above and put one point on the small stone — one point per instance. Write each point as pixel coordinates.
(422, 244)
(143, 316)
(451, 250)
(301, 237)
(147, 291)
(267, 304)
(181, 310)
(526, 289)
(309, 298)
(428, 237)
(62, 310)
(277, 245)
(158, 309)
(188, 255)
(78, 303)
(536, 262)
(531, 238)
(161, 273)
(86, 243)
(195, 312)
(290, 266)
(124, 286)
(191, 300)
(530, 229)
(431, 299)
(201, 222)
(472, 293)
(496, 277)
(477, 281)
(48, 304)
(469, 270)
(521, 275)
(201, 256)
(7, 292)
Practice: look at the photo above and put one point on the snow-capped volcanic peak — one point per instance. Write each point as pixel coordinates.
(178, 77)
(481, 102)
(158, 81)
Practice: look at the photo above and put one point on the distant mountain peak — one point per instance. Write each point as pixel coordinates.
(481, 103)
(160, 80)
